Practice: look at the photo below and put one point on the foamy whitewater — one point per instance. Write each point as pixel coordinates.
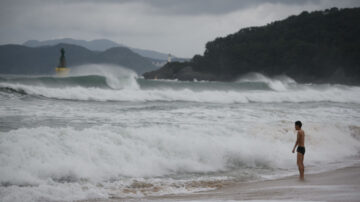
(103, 132)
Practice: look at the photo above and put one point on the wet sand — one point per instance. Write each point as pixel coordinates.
(337, 185)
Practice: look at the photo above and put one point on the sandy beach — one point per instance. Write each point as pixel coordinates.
(337, 185)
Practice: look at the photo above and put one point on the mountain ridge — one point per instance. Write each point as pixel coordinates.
(100, 45)
(18, 59)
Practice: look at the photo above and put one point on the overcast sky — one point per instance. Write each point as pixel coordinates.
(180, 27)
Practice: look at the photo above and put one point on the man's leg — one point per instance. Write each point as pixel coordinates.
(300, 162)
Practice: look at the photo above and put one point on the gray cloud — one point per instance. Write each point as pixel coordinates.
(192, 7)
(215, 7)
(179, 27)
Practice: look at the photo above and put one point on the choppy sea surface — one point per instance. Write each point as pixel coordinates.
(104, 132)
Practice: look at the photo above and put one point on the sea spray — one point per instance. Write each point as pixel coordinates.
(86, 76)
(278, 83)
(116, 77)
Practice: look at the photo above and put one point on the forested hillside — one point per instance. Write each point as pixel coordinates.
(321, 46)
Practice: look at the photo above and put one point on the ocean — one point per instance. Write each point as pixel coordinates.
(104, 132)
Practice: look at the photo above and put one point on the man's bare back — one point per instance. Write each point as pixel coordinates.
(301, 138)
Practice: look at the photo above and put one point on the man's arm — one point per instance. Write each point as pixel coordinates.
(297, 142)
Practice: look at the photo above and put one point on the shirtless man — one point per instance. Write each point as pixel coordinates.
(300, 142)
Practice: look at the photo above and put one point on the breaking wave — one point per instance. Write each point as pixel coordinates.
(104, 83)
(55, 150)
(146, 160)
(89, 76)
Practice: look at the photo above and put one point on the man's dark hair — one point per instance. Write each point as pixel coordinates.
(298, 123)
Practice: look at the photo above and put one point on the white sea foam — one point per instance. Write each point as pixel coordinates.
(47, 157)
(64, 150)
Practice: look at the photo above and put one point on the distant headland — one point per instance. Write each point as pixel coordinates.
(318, 47)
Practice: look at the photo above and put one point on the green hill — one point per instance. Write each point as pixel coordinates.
(321, 46)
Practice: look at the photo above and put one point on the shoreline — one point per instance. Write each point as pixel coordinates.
(342, 184)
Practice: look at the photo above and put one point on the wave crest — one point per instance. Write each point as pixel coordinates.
(116, 77)
(279, 83)
(87, 76)
(123, 85)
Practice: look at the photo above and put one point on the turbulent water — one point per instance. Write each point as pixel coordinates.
(103, 132)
